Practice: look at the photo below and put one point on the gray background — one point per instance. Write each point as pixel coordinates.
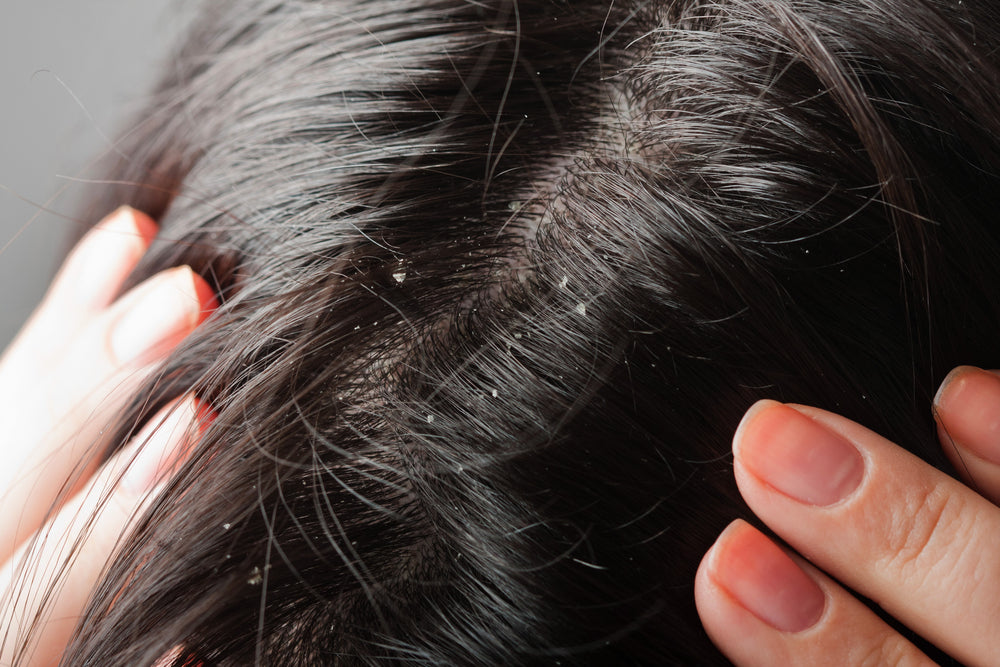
(71, 73)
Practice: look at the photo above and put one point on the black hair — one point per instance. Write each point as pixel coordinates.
(498, 280)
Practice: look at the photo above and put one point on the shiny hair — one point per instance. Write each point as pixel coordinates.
(498, 280)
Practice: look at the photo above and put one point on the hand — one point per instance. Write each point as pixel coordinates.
(918, 543)
(62, 382)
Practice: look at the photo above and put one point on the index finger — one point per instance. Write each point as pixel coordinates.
(89, 279)
(915, 541)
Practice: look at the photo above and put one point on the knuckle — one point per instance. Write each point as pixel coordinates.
(891, 650)
(923, 522)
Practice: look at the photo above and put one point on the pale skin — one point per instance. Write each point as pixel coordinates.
(881, 521)
(855, 506)
(72, 368)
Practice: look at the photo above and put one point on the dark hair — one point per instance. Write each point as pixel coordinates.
(498, 280)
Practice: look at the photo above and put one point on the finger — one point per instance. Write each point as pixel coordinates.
(967, 411)
(762, 607)
(917, 542)
(94, 271)
(88, 281)
(49, 580)
(54, 433)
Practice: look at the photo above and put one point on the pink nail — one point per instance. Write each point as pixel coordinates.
(796, 455)
(968, 411)
(764, 580)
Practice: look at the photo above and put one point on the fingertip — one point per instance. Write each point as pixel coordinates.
(764, 580)
(127, 219)
(967, 409)
(713, 604)
(745, 609)
(204, 295)
(943, 390)
(145, 226)
(158, 314)
(788, 452)
(707, 588)
(724, 620)
(967, 412)
(748, 417)
(97, 267)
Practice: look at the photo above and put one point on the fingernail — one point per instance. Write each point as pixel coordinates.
(967, 409)
(160, 313)
(163, 445)
(179, 653)
(796, 455)
(764, 580)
